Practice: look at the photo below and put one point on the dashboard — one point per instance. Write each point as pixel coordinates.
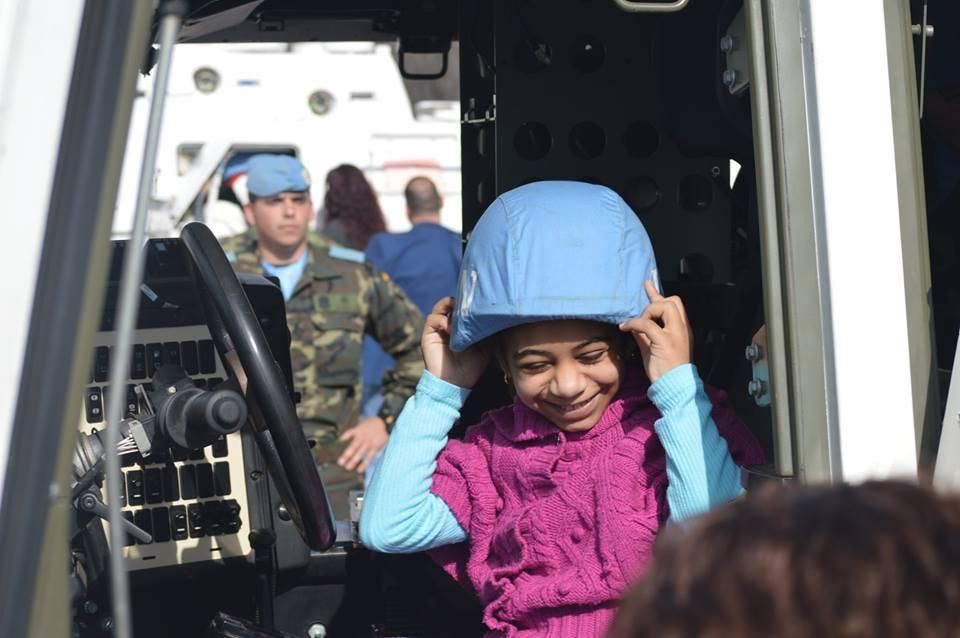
(197, 505)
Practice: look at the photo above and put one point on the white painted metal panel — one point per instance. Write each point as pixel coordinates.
(850, 106)
(946, 475)
(37, 45)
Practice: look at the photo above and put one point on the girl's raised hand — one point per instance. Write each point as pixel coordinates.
(463, 369)
(662, 332)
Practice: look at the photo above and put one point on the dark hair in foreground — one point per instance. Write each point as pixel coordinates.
(351, 199)
(879, 559)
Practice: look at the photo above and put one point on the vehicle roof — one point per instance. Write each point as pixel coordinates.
(313, 20)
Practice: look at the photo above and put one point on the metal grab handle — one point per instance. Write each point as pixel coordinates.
(651, 7)
(406, 75)
(171, 15)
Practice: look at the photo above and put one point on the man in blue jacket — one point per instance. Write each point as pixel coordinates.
(424, 262)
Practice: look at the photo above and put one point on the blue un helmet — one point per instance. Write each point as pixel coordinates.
(552, 250)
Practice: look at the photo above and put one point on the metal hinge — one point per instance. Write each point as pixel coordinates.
(925, 31)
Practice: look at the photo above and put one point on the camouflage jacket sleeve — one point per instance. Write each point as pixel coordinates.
(396, 323)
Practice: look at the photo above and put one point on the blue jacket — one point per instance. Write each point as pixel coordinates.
(425, 263)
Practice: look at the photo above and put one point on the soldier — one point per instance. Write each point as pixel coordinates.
(333, 298)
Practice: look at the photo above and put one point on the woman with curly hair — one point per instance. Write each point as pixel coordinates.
(351, 214)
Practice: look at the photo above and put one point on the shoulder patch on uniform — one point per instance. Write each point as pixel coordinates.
(347, 254)
(316, 239)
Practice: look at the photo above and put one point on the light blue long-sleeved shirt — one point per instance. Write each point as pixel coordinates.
(401, 515)
(288, 274)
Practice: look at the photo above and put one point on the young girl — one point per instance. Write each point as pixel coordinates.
(551, 505)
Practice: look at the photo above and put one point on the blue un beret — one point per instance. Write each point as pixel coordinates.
(271, 174)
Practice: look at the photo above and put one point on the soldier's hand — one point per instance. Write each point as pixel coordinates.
(663, 334)
(462, 369)
(366, 438)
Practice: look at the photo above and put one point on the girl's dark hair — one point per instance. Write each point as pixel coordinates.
(351, 201)
(879, 559)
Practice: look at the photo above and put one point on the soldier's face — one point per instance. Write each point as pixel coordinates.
(567, 370)
(281, 219)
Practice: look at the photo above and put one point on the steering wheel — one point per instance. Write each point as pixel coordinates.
(239, 339)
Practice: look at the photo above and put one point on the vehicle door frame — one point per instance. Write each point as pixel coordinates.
(854, 391)
(103, 46)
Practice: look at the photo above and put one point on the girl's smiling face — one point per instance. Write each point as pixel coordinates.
(566, 370)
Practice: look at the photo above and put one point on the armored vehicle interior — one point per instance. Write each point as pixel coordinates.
(690, 109)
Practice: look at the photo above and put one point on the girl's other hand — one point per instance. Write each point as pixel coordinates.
(663, 334)
(462, 369)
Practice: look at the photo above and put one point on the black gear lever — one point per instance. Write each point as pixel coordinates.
(191, 417)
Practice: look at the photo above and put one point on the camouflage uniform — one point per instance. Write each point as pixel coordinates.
(339, 298)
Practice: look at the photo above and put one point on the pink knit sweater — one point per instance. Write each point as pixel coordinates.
(560, 524)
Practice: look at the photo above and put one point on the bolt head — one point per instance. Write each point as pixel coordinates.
(727, 43)
(729, 77)
(756, 388)
(317, 630)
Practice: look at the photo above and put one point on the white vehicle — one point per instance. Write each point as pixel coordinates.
(819, 100)
(327, 103)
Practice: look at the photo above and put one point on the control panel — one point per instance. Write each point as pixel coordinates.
(197, 501)
(193, 503)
